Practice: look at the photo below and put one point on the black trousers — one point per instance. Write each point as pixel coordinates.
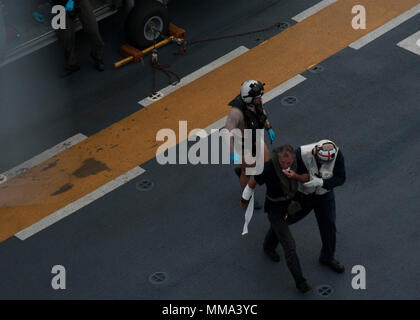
(279, 232)
(324, 208)
(67, 36)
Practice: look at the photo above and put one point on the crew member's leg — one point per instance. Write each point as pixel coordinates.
(270, 240)
(270, 245)
(325, 215)
(243, 178)
(67, 38)
(90, 26)
(281, 229)
(243, 181)
(266, 153)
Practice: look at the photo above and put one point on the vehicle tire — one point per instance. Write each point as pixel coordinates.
(144, 15)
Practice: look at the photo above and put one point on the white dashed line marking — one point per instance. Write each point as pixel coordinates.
(385, 28)
(44, 156)
(195, 75)
(312, 10)
(78, 204)
(412, 43)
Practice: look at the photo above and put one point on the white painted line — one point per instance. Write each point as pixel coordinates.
(112, 185)
(270, 95)
(44, 156)
(285, 86)
(219, 124)
(78, 204)
(385, 28)
(412, 43)
(312, 10)
(196, 74)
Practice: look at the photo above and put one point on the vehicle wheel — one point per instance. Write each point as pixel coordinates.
(146, 22)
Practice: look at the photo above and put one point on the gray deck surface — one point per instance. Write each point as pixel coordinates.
(189, 225)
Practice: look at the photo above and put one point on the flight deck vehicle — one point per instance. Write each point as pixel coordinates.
(25, 25)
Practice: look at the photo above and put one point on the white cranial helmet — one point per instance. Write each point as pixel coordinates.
(251, 89)
(325, 150)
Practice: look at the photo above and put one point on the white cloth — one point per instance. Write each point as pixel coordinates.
(248, 214)
(247, 193)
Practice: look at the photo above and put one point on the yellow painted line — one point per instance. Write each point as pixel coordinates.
(115, 150)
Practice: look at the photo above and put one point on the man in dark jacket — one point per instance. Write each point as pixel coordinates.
(83, 10)
(281, 176)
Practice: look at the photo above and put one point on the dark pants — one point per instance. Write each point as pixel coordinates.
(324, 207)
(68, 37)
(279, 232)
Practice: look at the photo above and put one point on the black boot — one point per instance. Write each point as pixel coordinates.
(335, 265)
(99, 63)
(303, 286)
(69, 69)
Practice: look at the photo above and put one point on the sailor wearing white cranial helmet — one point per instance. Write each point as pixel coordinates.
(325, 164)
(325, 150)
(319, 158)
(248, 113)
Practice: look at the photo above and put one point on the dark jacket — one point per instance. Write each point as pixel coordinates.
(274, 189)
